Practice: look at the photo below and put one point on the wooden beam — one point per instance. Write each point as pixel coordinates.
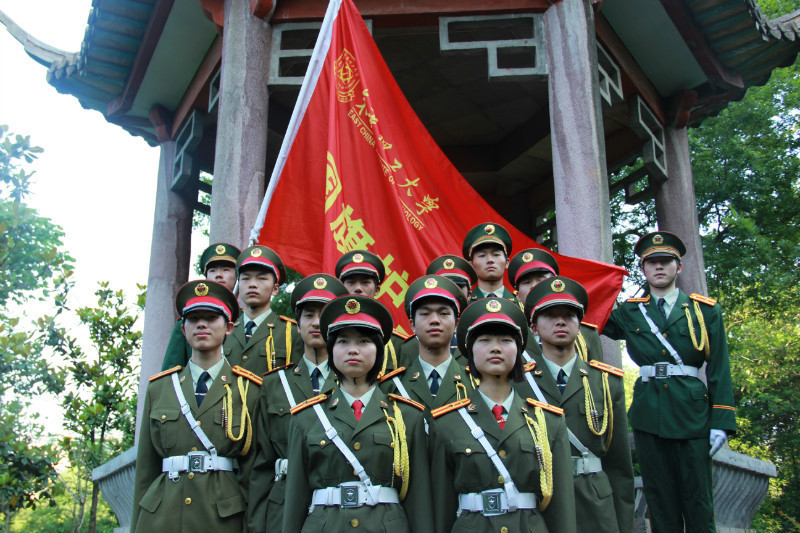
(680, 108)
(152, 33)
(198, 86)
(161, 119)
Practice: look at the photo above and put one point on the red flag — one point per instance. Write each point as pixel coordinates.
(358, 170)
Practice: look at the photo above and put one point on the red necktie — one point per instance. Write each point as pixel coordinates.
(497, 411)
(357, 406)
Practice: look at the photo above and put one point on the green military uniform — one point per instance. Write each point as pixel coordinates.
(316, 463)
(672, 416)
(410, 352)
(478, 294)
(274, 343)
(588, 339)
(460, 465)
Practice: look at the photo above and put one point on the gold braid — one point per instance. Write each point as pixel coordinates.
(591, 409)
(580, 346)
(401, 465)
(288, 343)
(270, 350)
(246, 426)
(388, 351)
(538, 431)
(705, 343)
(460, 387)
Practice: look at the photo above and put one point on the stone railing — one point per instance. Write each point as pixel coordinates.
(116, 484)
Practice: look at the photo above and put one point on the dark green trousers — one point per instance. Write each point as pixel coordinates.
(676, 474)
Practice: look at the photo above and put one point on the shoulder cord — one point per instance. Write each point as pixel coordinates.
(544, 454)
(187, 412)
(401, 466)
(288, 343)
(389, 351)
(246, 428)
(270, 350)
(403, 392)
(580, 347)
(591, 410)
(705, 344)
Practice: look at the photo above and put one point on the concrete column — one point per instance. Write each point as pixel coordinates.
(676, 210)
(239, 164)
(169, 269)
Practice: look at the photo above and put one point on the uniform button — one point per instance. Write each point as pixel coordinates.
(354, 522)
(501, 479)
(199, 423)
(665, 335)
(188, 501)
(194, 449)
(357, 446)
(663, 352)
(468, 451)
(281, 409)
(322, 443)
(504, 529)
(501, 453)
(163, 417)
(191, 475)
(244, 358)
(666, 386)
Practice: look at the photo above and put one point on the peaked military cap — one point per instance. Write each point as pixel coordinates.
(488, 232)
(491, 311)
(220, 251)
(530, 260)
(316, 288)
(454, 268)
(264, 257)
(556, 291)
(355, 310)
(660, 244)
(204, 295)
(438, 286)
(360, 262)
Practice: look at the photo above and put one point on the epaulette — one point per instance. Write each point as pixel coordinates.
(703, 299)
(393, 373)
(410, 338)
(409, 401)
(239, 371)
(458, 404)
(404, 336)
(605, 367)
(529, 366)
(308, 403)
(638, 300)
(287, 319)
(546, 406)
(587, 324)
(276, 369)
(165, 372)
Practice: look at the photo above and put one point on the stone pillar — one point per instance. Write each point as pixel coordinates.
(241, 149)
(169, 269)
(676, 210)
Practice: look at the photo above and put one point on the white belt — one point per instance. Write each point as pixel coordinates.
(199, 462)
(666, 370)
(351, 494)
(586, 465)
(281, 467)
(493, 502)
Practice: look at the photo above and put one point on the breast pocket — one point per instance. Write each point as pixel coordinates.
(528, 468)
(380, 456)
(164, 427)
(474, 469)
(279, 423)
(322, 460)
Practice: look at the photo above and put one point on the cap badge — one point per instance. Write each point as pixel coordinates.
(489, 229)
(255, 252)
(527, 257)
(201, 289)
(431, 283)
(358, 258)
(449, 264)
(558, 286)
(352, 306)
(493, 306)
(320, 283)
(658, 239)
(220, 249)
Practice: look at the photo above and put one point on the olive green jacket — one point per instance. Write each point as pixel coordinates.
(590, 337)
(178, 350)
(252, 354)
(210, 501)
(410, 352)
(477, 294)
(459, 465)
(677, 407)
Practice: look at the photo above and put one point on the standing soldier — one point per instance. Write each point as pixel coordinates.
(678, 423)
(261, 340)
(284, 388)
(487, 247)
(592, 396)
(195, 445)
(219, 264)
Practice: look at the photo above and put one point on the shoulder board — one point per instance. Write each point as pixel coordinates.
(279, 368)
(546, 406)
(409, 401)
(703, 299)
(308, 403)
(166, 372)
(638, 300)
(410, 338)
(589, 325)
(529, 366)
(605, 367)
(393, 373)
(239, 371)
(458, 404)
(400, 334)
(287, 319)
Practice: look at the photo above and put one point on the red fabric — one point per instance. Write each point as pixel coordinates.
(357, 406)
(363, 173)
(497, 411)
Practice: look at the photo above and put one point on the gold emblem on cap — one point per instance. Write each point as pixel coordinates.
(320, 283)
(527, 257)
(201, 289)
(431, 283)
(255, 252)
(352, 306)
(220, 249)
(493, 306)
(449, 264)
(658, 239)
(489, 229)
(558, 286)
(358, 258)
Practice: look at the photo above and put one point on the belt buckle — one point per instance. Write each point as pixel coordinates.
(492, 502)
(197, 462)
(661, 370)
(349, 496)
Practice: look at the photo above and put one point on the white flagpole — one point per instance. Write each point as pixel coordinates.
(306, 91)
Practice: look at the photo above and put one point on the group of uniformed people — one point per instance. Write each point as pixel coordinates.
(498, 414)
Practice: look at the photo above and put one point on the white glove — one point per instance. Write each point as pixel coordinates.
(716, 439)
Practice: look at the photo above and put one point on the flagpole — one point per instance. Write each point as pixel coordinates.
(306, 91)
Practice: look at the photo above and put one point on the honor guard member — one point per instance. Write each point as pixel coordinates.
(284, 388)
(362, 272)
(261, 340)
(531, 266)
(218, 262)
(196, 432)
(487, 247)
(433, 378)
(357, 458)
(592, 395)
(500, 462)
(678, 423)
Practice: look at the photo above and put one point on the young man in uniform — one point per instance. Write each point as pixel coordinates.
(592, 396)
(487, 247)
(261, 340)
(678, 423)
(219, 264)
